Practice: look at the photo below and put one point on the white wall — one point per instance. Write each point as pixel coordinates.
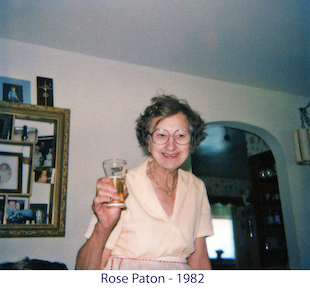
(105, 98)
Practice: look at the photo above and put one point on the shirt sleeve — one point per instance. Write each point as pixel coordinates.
(205, 227)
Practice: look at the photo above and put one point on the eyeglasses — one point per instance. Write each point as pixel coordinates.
(162, 136)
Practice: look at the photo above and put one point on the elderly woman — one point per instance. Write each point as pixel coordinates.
(168, 214)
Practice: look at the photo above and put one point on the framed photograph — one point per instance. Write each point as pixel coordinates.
(10, 172)
(17, 211)
(29, 130)
(45, 152)
(5, 126)
(15, 90)
(2, 206)
(43, 175)
(51, 205)
(25, 133)
(45, 91)
(39, 213)
(27, 151)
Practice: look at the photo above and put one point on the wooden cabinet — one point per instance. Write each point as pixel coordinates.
(246, 237)
(268, 213)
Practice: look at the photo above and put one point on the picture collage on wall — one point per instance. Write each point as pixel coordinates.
(27, 157)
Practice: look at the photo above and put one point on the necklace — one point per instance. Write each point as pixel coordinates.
(168, 192)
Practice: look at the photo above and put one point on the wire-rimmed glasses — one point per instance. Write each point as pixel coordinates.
(161, 136)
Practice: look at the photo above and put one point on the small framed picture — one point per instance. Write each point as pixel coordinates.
(26, 150)
(5, 126)
(17, 211)
(45, 91)
(39, 213)
(2, 206)
(25, 133)
(45, 151)
(10, 172)
(43, 175)
(15, 90)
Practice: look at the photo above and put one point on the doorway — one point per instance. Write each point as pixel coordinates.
(240, 174)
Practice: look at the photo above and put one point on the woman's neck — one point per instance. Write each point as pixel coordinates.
(165, 180)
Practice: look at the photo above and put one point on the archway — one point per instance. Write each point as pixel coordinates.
(282, 181)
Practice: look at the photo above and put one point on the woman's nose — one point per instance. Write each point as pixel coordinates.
(171, 144)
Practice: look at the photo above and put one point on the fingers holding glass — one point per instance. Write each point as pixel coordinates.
(115, 170)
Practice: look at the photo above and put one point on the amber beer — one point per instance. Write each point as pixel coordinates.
(118, 183)
(115, 169)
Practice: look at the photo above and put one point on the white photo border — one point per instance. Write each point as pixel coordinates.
(14, 161)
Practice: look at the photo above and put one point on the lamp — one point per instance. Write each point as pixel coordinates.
(227, 136)
(302, 138)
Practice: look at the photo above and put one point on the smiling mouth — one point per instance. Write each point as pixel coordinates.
(170, 156)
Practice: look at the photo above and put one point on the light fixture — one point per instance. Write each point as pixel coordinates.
(302, 138)
(226, 136)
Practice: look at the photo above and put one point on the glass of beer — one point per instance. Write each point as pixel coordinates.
(115, 169)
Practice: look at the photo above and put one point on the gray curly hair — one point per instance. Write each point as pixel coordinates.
(165, 106)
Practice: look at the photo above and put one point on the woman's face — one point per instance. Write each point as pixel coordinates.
(169, 155)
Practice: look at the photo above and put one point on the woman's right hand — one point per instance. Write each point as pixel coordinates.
(107, 216)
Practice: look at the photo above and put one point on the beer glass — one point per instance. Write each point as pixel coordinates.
(115, 169)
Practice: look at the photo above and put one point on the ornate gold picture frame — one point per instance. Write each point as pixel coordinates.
(40, 206)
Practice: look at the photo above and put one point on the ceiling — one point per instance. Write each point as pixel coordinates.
(260, 43)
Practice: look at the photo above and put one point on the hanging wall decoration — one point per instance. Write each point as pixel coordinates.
(14, 90)
(302, 138)
(45, 91)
